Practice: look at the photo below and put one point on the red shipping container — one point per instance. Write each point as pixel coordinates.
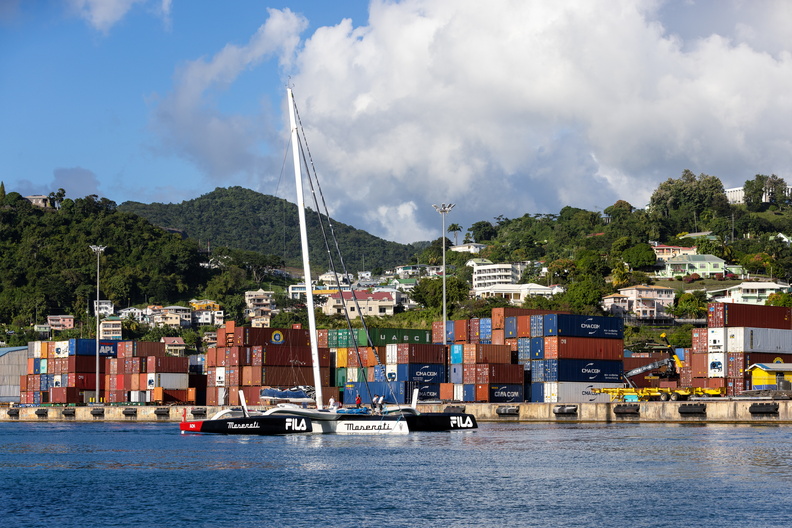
(700, 383)
(699, 340)
(322, 338)
(252, 395)
(482, 392)
(291, 376)
(232, 357)
(233, 376)
(414, 353)
(523, 326)
(65, 395)
(737, 362)
(460, 330)
(438, 332)
(167, 364)
(446, 391)
(698, 363)
(498, 337)
(474, 330)
(499, 373)
(478, 353)
(276, 336)
(149, 348)
(721, 315)
(83, 364)
(511, 343)
(251, 376)
(583, 348)
(285, 355)
(469, 373)
(737, 386)
(716, 383)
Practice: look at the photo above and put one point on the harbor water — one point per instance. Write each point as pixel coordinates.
(516, 474)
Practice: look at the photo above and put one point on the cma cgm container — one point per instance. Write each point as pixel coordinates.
(420, 372)
(757, 316)
(500, 393)
(583, 326)
(572, 392)
(582, 370)
(583, 348)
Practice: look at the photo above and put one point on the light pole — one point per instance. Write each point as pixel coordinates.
(98, 250)
(443, 209)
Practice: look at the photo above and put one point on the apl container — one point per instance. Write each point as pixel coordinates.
(583, 326)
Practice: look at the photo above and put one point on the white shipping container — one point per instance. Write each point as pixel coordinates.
(459, 392)
(716, 339)
(43, 366)
(140, 396)
(57, 380)
(168, 380)
(220, 377)
(36, 345)
(353, 374)
(61, 349)
(716, 363)
(390, 371)
(747, 339)
(391, 354)
(576, 392)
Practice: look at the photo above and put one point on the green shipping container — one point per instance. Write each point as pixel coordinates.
(340, 377)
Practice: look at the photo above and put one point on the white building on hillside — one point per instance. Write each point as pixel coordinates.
(517, 293)
(486, 274)
(749, 292)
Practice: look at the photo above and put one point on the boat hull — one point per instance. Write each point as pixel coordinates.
(255, 425)
(441, 422)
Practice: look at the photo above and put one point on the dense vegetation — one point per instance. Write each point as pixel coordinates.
(244, 219)
(46, 266)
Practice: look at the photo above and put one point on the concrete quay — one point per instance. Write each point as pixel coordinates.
(734, 411)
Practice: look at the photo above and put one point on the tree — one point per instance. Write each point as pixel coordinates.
(754, 192)
(429, 292)
(456, 229)
(640, 256)
(482, 231)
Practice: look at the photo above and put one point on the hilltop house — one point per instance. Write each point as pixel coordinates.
(370, 303)
(517, 293)
(705, 265)
(642, 301)
(749, 292)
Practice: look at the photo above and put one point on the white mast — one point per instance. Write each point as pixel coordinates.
(304, 243)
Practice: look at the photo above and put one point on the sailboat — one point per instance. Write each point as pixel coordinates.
(296, 419)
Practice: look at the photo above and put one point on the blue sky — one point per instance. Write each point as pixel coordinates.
(504, 108)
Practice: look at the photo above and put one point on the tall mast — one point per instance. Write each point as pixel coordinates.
(304, 244)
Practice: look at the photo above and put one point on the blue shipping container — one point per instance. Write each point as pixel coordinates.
(511, 393)
(450, 332)
(582, 370)
(524, 346)
(537, 392)
(537, 348)
(485, 329)
(537, 326)
(455, 374)
(583, 326)
(426, 391)
(457, 354)
(421, 372)
(538, 371)
(468, 392)
(510, 327)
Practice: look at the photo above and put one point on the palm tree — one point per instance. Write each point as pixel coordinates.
(455, 228)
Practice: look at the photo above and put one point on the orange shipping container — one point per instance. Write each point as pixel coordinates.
(498, 336)
(523, 326)
(446, 391)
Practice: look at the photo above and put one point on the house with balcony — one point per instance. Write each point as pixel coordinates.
(664, 252)
(365, 302)
(104, 308)
(60, 322)
(707, 266)
(517, 293)
(486, 274)
(470, 247)
(749, 292)
(174, 346)
(111, 328)
(643, 302)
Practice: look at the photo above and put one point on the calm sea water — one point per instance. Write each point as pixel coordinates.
(63, 475)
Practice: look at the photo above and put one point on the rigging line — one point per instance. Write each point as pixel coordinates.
(286, 153)
(313, 176)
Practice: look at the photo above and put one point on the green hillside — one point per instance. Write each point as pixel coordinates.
(243, 219)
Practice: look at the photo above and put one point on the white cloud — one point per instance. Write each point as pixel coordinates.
(188, 119)
(522, 107)
(102, 14)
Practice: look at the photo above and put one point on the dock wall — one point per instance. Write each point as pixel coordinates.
(702, 411)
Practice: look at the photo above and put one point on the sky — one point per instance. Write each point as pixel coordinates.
(508, 107)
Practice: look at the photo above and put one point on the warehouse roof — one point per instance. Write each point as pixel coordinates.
(6, 350)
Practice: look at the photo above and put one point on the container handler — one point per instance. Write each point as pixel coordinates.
(672, 365)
